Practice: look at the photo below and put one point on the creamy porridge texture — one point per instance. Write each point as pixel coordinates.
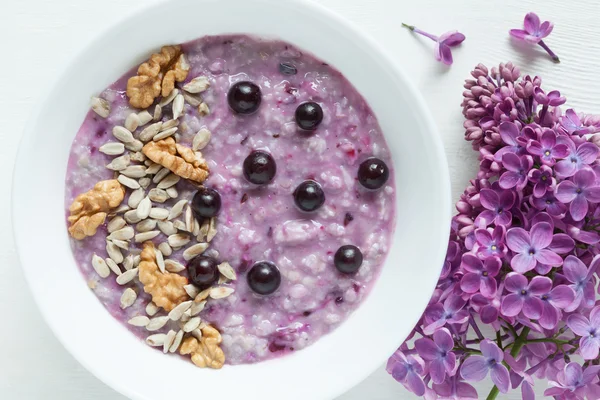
(234, 202)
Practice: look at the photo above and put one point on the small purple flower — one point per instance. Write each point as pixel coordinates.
(491, 244)
(452, 254)
(574, 380)
(547, 148)
(531, 247)
(453, 389)
(542, 179)
(554, 301)
(480, 276)
(488, 309)
(439, 353)
(525, 296)
(549, 203)
(407, 370)
(583, 281)
(497, 207)
(552, 98)
(443, 43)
(572, 123)
(534, 32)
(589, 330)
(581, 190)
(577, 159)
(476, 368)
(437, 315)
(517, 169)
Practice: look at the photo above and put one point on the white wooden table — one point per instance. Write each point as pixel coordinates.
(38, 36)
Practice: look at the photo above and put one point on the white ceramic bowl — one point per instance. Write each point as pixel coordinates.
(337, 361)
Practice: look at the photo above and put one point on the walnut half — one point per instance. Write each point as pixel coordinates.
(157, 76)
(166, 288)
(89, 209)
(206, 352)
(181, 160)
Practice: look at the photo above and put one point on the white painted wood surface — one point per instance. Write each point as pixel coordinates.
(38, 36)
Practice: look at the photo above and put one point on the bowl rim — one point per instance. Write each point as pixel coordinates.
(442, 166)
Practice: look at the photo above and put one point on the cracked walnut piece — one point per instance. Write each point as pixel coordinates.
(206, 352)
(166, 288)
(89, 209)
(157, 76)
(179, 159)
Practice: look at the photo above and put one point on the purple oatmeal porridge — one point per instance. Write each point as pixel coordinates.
(270, 277)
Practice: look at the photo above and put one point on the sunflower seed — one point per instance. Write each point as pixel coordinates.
(176, 342)
(194, 250)
(192, 100)
(197, 307)
(167, 227)
(186, 316)
(164, 134)
(172, 192)
(157, 112)
(100, 106)
(138, 156)
(100, 266)
(128, 262)
(201, 139)
(165, 249)
(173, 266)
(227, 271)
(145, 236)
(169, 341)
(156, 340)
(197, 333)
(136, 145)
(156, 323)
(167, 100)
(149, 131)
(140, 320)
(196, 229)
(135, 197)
(146, 225)
(134, 171)
(136, 260)
(143, 209)
(128, 182)
(160, 260)
(169, 124)
(169, 181)
(114, 252)
(203, 295)
(203, 230)
(177, 209)
(178, 240)
(122, 134)
(203, 109)
(112, 148)
(212, 230)
(178, 104)
(220, 292)
(127, 276)
(122, 244)
(179, 225)
(191, 324)
(132, 122)
(143, 118)
(202, 325)
(178, 311)
(144, 182)
(153, 169)
(222, 280)
(160, 175)
(197, 85)
(159, 213)
(125, 233)
(158, 195)
(113, 266)
(151, 309)
(119, 163)
(115, 224)
(121, 209)
(191, 290)
(131, 217)
(128, 298)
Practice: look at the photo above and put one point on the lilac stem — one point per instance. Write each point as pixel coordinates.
(543, 114)
(475, 328)
(550, 52)
(420, 32)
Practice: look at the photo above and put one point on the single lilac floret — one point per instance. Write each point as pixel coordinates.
(443, 43)
(534, 31)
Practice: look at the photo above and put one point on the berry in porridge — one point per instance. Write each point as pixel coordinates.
(230, 200)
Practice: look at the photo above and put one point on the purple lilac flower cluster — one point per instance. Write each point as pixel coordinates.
(524, 253)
